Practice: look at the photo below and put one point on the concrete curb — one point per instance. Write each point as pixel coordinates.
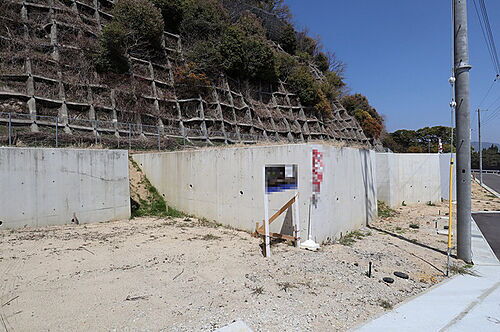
(441, 307)
(482, 246)
(488, 188)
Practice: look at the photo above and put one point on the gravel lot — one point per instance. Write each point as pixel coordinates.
(186, 275)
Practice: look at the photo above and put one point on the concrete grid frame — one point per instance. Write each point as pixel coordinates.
(46, 75)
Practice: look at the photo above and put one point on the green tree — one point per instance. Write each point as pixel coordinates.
(141, 20)
(303, 83)
(242, 51)
(288, 39)
(172, 12)
(136, 28)
(322, 62)
(203, 20)
(371, 121)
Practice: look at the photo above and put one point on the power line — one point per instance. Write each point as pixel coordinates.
(494, 102)
(492, 116)
(484, 22)
(490, 35)
(488, 92)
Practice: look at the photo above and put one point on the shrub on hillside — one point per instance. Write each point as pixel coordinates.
(112, 52)
(246, 53)
(285, 65)
(322, 61)
(137, 27)
(189, 81)
(304, 85)
(288, 39)
(307, 44)
(141, 20)
(368, 117)
(241, 51)
(202, 20)
(324, 105)
(172, 12)
(333, 85)
(371, 126)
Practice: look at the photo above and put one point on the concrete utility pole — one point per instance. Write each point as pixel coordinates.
(462, 68)
(480, 147)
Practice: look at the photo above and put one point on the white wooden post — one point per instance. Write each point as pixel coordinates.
(266, 217)
(297, 220)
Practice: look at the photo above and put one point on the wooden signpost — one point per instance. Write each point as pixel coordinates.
(279, 178)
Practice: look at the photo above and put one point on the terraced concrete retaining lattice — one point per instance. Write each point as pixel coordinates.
(44, 71)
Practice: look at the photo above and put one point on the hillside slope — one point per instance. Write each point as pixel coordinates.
(46, 79)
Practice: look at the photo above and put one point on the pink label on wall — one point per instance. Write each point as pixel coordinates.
(317, 170)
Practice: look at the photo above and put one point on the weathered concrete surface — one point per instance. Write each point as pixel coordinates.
(444, 164)
(407, 177)
(226, 185)
(47, 186)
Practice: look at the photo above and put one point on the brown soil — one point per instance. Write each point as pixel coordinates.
(138, 189)
(483, 200)
(187, 275)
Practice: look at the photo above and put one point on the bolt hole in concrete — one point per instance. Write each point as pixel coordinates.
(1, 222)
(241, 192)
(190, 186)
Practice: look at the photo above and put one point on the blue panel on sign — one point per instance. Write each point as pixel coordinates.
(281, 178)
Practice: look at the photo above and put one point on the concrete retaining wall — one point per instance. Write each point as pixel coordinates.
(226, 185)
(444, 164)
(47, 186)
(409, 178)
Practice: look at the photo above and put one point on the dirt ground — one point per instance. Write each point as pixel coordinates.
(184, 274)
(483, 200)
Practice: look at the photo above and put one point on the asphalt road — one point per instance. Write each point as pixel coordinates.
(489, 224)
(492, 181)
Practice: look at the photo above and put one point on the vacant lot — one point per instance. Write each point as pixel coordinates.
(182, 274)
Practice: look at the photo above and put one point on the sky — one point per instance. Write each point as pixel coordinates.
(398, 54)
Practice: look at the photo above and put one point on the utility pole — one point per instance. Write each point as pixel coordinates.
(480, 147)
(462, 68)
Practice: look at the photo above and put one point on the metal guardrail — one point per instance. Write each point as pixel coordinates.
(485, 171)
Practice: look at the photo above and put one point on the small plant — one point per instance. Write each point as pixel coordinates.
(209, 237)
(385, 304)
(154, 204)
(350, 238)
(462, 269)
(385, 211)
(429, 203)
(415, 226)
(285, 286)
(399, 230)
(258, 290)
